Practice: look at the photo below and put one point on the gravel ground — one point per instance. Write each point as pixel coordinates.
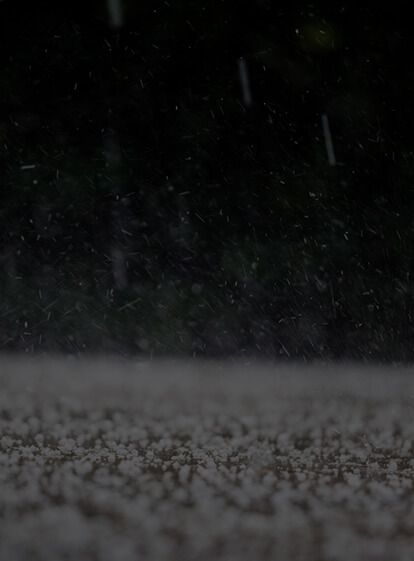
(104, 460)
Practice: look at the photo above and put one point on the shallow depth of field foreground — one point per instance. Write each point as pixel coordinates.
(205, 461)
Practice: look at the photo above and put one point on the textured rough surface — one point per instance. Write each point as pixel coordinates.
(103, 460)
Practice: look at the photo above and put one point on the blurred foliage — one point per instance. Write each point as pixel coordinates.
(146, 208)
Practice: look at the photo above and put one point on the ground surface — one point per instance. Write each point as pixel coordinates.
(204, 461)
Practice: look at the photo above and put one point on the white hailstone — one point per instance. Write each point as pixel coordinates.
(392, 466)
(66, 444)
(27, 452)
(6, 442)
(184, 473)
(180, 457)
(80, 439)
(301, 476)
(40, 460)
(406, 483)
(121, 451)
(23, 429)
(83, 468)
(79, 451)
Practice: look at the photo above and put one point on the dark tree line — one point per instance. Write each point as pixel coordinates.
(149, 204)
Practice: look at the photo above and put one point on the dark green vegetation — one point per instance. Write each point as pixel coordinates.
(147, 206)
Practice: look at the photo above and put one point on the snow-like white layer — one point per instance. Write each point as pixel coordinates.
(102, 460)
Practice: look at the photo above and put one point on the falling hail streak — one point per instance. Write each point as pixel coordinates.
(244, 80)
(115, 13)
(328, 140)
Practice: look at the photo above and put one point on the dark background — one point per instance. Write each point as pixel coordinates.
(148, 208)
